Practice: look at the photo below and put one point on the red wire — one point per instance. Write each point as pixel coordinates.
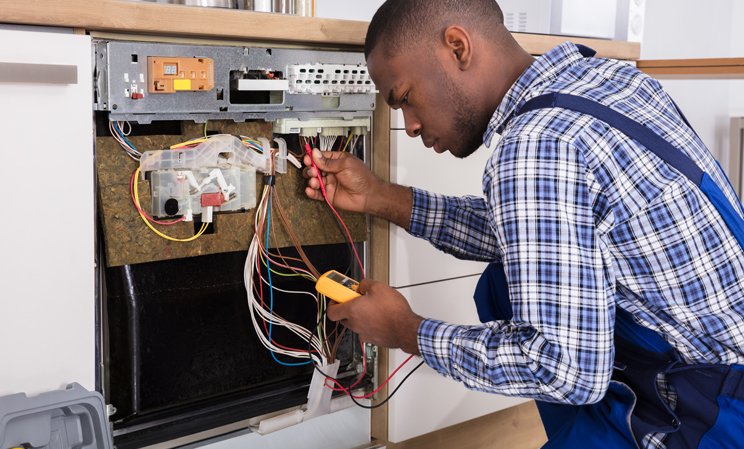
(309, 150)
(325, 195)
(131, 191)
(348, 390)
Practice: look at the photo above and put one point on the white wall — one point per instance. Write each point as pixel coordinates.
(736, 101)
(347, 9)
(682, 29)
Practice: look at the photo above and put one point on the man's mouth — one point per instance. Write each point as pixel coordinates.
(435, 145)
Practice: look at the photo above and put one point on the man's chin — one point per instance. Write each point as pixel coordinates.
(463, 151)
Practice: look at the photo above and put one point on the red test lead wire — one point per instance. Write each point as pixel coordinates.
(309, 152)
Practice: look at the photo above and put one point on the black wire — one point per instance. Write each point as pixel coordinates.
(348, 391)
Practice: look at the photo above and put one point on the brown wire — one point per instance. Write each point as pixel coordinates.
(293, 237)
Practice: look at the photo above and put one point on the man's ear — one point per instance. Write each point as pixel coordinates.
(459, 44)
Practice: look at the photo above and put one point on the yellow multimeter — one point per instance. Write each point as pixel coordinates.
(337, 286)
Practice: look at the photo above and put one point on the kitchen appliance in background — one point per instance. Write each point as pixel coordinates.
(228, 4)
(298, 7)
(621, 20)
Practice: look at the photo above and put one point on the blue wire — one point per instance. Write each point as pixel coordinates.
(271, 289)
(116, 127)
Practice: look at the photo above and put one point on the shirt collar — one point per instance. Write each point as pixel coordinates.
(545, 68)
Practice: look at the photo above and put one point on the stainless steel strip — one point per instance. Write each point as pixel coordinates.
(12, 72)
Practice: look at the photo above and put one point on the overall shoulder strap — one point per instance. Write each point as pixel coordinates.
(653, 143)
(643, 135)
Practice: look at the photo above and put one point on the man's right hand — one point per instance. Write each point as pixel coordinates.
(351, 186)
(348, 181)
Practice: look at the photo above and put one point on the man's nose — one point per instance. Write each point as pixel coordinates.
(413, 126)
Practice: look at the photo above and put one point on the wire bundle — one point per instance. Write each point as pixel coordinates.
(321, 346)
(320, 350)
(116, 131)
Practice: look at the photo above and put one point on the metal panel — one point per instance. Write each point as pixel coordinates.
(122, 66)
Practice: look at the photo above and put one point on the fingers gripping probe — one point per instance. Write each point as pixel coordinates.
(320, 175)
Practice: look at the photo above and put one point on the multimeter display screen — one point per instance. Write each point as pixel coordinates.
(343, 280)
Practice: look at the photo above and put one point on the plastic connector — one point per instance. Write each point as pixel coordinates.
(266, 166)
(319, 395)
(293, 160)
(281, 156)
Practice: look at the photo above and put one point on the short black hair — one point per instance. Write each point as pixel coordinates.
(402, 24)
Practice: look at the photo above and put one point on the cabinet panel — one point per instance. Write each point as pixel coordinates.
(48, 299)
(428, 401)
(414, 261)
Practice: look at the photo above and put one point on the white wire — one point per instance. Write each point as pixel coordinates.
(130, 150)
(255, 307)
(121, 127)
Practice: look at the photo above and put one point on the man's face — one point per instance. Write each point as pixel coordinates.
(436, 106)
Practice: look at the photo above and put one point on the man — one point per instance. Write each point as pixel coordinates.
(609, 251)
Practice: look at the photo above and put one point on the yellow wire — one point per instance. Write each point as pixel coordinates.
(189, 142)
(347, 143)
(306, 276)
(205, 128)
(136, 200)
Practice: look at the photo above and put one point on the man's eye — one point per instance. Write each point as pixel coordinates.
(405, 99)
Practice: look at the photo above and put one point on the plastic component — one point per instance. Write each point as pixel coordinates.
(280, 422)
(261, 85)
(319, 395)
(319, 403)
(330, 79)
(222, 165)
(74, 418)
(187, 188)
(337, 286)
(171, 206)
(209, 199)
(359, 125)
(281, 156)
(166, 75)
(219, 151)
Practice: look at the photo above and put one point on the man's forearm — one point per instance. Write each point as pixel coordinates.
(392, 202)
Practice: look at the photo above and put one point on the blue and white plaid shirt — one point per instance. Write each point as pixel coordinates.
(583, 218)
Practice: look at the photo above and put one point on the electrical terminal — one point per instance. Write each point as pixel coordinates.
(293, 160)
(323, 126)
(334, 131)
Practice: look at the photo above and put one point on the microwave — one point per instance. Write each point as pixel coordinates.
(621, 20)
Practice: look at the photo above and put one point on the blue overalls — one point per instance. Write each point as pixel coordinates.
(710, 398)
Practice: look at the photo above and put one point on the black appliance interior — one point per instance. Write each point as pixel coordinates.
(183, 356)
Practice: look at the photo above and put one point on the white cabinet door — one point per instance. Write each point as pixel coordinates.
(427, 401)
(47, 298)
(414, 261)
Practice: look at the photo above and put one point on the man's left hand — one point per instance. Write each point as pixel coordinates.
(380, 316)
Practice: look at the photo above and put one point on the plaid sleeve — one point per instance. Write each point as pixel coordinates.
(457, 226)
(559, 345)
